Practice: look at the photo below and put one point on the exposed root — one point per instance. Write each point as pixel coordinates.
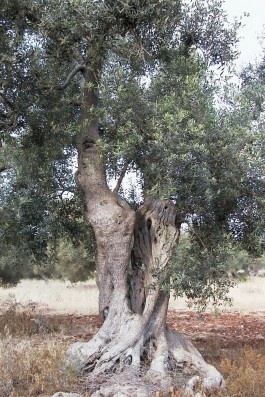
(109, 351)
(128, 383)
(184, 356)
(166, 361)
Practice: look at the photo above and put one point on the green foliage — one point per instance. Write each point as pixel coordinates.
(33, 221)
(74, 263)
(200, 273)
(14, 264)
(240, 259)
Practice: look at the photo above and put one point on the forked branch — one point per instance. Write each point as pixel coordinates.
(78, 68)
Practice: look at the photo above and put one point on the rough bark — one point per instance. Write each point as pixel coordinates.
(134, 348)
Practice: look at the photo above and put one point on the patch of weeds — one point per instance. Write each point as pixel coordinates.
(245, 372)
(29, 371)
(25, 320)
(243, 369)
(32, 352)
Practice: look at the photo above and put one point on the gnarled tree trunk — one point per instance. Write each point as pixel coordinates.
(134, 338)
(133, 249)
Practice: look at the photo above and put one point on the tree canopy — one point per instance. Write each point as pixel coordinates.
(157, 112)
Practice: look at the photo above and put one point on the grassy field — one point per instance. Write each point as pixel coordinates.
(38, 320)
(59, 296)
(64, 297)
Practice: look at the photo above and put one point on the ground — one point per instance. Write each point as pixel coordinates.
(233, 342)
(221, 338)
(226, 329)
(34, 338)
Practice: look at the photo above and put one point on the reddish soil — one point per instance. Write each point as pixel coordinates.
(229, 330)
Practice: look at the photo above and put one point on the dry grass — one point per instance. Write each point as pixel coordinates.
(33, 368)
(247, 296)
(19, 321)
(32, 352)
(59, 296)
(243, 370)
(245, 373)
(64, 297)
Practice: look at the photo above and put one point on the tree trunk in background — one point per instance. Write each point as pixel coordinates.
(133, 249)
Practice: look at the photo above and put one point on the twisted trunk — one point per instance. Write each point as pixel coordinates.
(133, 252)
(133, 249)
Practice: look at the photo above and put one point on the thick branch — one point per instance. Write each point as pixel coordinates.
(122, 174)
(75, 102)
(3, 168)
(78, 68)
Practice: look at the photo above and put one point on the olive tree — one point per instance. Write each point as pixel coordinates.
(126, 85)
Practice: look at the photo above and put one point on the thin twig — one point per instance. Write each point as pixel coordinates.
(75, 102)
(122, 174)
